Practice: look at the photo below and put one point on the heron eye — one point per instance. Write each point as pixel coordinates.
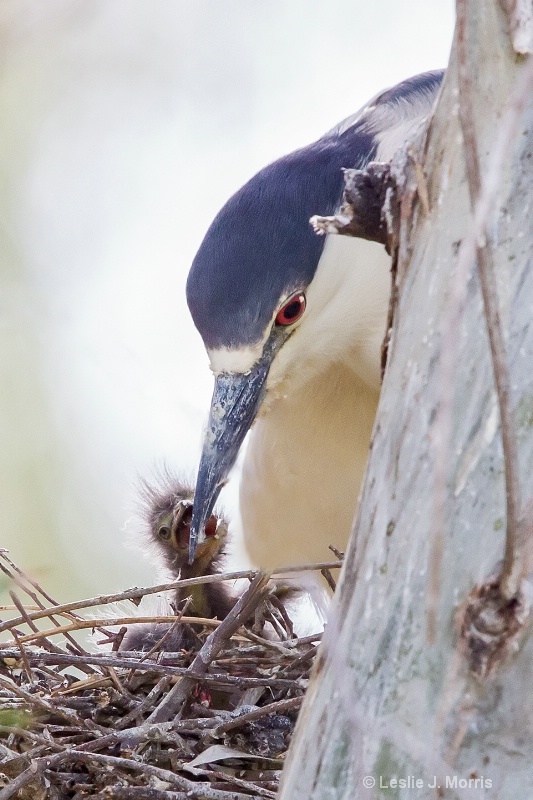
(164, 532)
(292, 310)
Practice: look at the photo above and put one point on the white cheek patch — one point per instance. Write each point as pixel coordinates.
(242, 359)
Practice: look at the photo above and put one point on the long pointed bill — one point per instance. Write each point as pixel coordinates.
(234, 406)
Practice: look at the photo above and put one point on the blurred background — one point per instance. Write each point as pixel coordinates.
(126, 124)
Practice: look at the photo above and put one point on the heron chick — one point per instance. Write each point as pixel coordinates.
(167, 513)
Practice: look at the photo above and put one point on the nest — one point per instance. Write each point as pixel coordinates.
(212, 721)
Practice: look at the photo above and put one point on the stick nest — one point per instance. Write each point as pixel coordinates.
(213, 721)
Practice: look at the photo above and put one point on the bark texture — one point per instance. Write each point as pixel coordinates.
(387, 700)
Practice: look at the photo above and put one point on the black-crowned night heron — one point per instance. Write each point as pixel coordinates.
(293, 325)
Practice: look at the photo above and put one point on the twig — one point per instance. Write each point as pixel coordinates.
(43, 641)
(266, 613)
(115, 680)
(161, 686)
(278, 605)
(36, 768)
(39, 702)
(24, 657)
(30, 736)
(337, 553)
(297, 662)
(272, 708)
(141, 793)
(258, 791)
(20, 578)
(329, 579)
(101, 660)
(267, 643)
(146, 732)
(165, 637)
(137, 594)
(82, 624)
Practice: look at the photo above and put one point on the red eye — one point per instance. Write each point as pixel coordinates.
(292, 310)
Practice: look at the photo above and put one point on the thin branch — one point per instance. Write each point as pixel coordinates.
(273, 708)
(179, 618)
(140, 793)
(38, 635)
(25, 661)
(137, 594)
(39, 702)
(82, 624)
(102, 660)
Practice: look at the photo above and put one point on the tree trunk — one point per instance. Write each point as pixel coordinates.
(414, 682)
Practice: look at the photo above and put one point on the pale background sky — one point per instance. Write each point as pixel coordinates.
(125, 126)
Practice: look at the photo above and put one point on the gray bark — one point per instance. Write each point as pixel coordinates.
(386, 700)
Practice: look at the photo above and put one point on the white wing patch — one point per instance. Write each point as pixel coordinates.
(391, 121)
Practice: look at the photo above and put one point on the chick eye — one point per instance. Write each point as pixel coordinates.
(292, 310)
(164, 532)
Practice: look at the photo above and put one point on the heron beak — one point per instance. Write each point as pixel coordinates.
(234, 406)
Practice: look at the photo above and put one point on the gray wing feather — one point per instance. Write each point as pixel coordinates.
(394, 114)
